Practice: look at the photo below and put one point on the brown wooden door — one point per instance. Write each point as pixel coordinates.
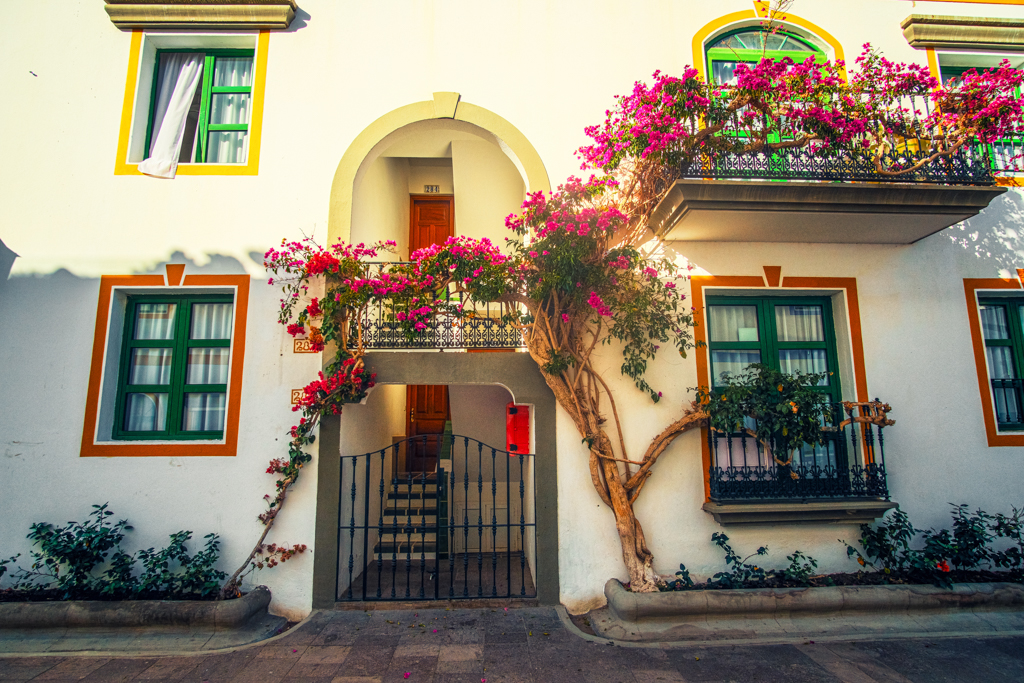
(431, 221)
(427, 412)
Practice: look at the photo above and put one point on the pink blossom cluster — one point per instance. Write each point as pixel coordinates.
(599, 305)
(343, 386)
(809, 102)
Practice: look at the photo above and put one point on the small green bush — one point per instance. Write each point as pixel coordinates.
(69, 558)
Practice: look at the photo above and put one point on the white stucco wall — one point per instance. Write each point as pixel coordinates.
(331, 76)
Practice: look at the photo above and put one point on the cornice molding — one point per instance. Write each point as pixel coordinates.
(964, 33)
(201, 14)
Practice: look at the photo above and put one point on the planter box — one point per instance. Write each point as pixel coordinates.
(762, 602)
(95, 613)
(786, 615)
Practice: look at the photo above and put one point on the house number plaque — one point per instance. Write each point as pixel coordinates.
(302, 346)
(296, 396)
(431, 189)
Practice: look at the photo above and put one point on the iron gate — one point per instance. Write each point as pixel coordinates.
(465, 530)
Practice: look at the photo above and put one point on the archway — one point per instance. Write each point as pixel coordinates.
(380, 134)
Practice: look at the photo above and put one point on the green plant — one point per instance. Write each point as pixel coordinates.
(69, 556)
(786, 409)
(684, 580)
(1010, 527)
(741, 572)
(4, 563)
(965, 547)
(800, 568)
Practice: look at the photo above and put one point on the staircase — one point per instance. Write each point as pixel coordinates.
(408, 525)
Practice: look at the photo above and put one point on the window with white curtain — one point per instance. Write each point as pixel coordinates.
(1002, 326)
(199, 111)
(173, 378)
(792, 335)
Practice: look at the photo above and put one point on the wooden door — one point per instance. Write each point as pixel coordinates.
(427, 412)
(431, 221)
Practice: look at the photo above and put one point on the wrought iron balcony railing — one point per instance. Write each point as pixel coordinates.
(1008, 394)
(908, 144)
(482, 327)
(850, 463)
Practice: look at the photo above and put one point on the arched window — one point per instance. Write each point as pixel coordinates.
(747, 46)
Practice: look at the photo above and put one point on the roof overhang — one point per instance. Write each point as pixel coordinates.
(201, 14)
(791, 211)
(963, 33)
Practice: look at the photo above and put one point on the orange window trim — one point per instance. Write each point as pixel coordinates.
(971, 287)
(93, 449)
(699, 283)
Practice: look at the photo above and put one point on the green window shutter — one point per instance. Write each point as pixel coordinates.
(771, 345)
(211, 95)
(1001, 320)
(154, 372)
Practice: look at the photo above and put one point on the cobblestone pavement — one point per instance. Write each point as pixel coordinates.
(529, 645)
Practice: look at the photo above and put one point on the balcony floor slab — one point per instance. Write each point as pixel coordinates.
(818, 212)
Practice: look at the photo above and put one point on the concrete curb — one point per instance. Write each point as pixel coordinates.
(95, 613)
(634, 607)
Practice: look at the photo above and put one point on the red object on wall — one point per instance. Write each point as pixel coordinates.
(517, 428)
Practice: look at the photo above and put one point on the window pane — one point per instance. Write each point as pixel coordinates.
(211, 321)
(1000, 362)
(229, 108)
(799, 323)
(732, 362)
(232, 71)
(806, 361)
(154, 321)
(204, 412)
(1007, 405)
(227, 147)
(145, 412)
(993, 322)
(207, 366)
(724, 73)
(150, 366)
(733, 323)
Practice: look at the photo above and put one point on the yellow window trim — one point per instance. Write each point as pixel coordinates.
(759, 12)
(252, 165)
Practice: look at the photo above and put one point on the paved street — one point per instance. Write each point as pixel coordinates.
(530, 644)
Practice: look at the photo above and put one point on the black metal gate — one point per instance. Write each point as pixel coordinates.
(466, 530)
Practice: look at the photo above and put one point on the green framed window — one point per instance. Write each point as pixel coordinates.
(747, 45)
(1001, 151)
(791, 334)
(1001, 326)
(173, 373)
(217, 123)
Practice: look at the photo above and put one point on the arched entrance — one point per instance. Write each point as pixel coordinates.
(484, 166)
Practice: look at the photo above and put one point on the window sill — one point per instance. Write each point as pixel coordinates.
(854, 511)
(251, 168)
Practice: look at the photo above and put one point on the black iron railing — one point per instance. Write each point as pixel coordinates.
(1008, 395)
(906, 144)
(480, 327)
(466, 529)
(850, 463)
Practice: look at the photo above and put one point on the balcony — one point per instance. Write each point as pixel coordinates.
(482, 327)
(797, 194)
(842, 479)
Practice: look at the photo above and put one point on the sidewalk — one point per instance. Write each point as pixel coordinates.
(532, 644)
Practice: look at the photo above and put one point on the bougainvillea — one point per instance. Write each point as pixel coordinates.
(581, 271)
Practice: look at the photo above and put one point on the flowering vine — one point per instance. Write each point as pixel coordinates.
(579, 272)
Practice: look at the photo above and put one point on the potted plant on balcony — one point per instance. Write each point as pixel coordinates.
(783, 412)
